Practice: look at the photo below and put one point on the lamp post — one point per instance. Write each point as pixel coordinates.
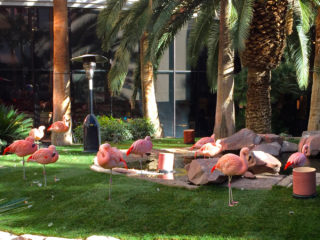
(91, 128)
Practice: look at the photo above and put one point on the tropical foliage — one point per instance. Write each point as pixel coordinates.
(13, 125)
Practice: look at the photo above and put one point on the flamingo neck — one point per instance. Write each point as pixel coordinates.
(243, 157)
(304, 149)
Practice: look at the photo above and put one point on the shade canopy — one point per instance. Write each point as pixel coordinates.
(90, 58)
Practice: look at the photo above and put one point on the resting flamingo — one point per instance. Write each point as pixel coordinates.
(45, 156)
(109, 157)
(37, 133)
(297, 159)
(59, 126)
(141, 146)
(22, 148)
(203, 141)
(231, 164)
(209, 149)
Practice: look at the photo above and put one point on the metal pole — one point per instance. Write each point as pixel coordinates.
(90, 67)
(174, 87)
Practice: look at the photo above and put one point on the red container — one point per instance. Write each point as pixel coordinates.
(165, 162)
(188, 136)
(304, 182)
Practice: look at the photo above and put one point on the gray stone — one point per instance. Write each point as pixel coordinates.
(272, 148)
(240, 139)
(262, 162)
(313, 143)
(289, 147)
(94, 237)
(199, 172)
(33, 237)
(309, 133)
(270, 137)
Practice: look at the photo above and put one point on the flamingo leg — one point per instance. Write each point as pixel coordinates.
(140, 166)
(231, 202)
(44, 175)
(110, 184)
(24, 169)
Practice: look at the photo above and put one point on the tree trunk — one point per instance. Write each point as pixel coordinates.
(149, 103)
(314, 116)
(258, 111)
(225, 116)
(61, 71)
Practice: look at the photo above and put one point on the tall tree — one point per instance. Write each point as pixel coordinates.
(134, 25)
(61, 71)
(314, 116)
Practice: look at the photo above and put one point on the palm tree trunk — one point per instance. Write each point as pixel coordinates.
(150, 108)
(61, 71)
(314, 116)
(258, 111)
(225, 116)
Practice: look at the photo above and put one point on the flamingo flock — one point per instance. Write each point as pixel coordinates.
(110, 157)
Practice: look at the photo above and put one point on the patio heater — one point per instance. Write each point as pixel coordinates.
(91, 128)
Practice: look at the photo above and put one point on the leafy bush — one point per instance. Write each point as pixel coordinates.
(117, 130)
(114, 130)
(78, 134)
(141, 127)
(13, 125)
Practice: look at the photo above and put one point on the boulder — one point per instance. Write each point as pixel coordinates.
(262, 162)
(270, 137)
(243, 138)
(289, 147)
(272, 148)
(199, 172)
(313, 142)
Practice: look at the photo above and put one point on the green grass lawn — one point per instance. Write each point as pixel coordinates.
(76, 206)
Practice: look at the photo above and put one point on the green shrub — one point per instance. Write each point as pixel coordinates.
(13, 125)
(78, 134)
(140, 128)
(114, 130)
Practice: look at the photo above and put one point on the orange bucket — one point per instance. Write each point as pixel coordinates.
(188, 136)
(304, 182)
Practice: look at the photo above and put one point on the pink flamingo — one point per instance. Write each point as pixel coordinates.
(109, 157)
(22, 148)
(37, 133)
(45, 156)
(141, 146)
(59, 126)
(297, 159)
(203, 141)
(209, 149)
(230, 165)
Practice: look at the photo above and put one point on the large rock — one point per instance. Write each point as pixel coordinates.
(313, 142)
(272, 148)
(243, 138)
(199, 172)
(262, 162)
(289, 147)
(270, 137)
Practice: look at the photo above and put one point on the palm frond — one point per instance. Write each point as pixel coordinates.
(244, 9)
(300, 55)
(305, 12)
(213, 53)
(199, 33)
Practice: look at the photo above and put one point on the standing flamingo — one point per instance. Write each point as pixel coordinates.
(37, 134)
(297, 159)
(22, 148)
(203, 141)
(209, 149)
(230, 165)
(45, 156)
(109, 157)
(59, 126)
(141, 146)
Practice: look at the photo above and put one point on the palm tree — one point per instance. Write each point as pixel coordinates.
(110, 22)
(61, 71)
(314, 115)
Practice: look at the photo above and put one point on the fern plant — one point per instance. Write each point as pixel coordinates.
(13, 125)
